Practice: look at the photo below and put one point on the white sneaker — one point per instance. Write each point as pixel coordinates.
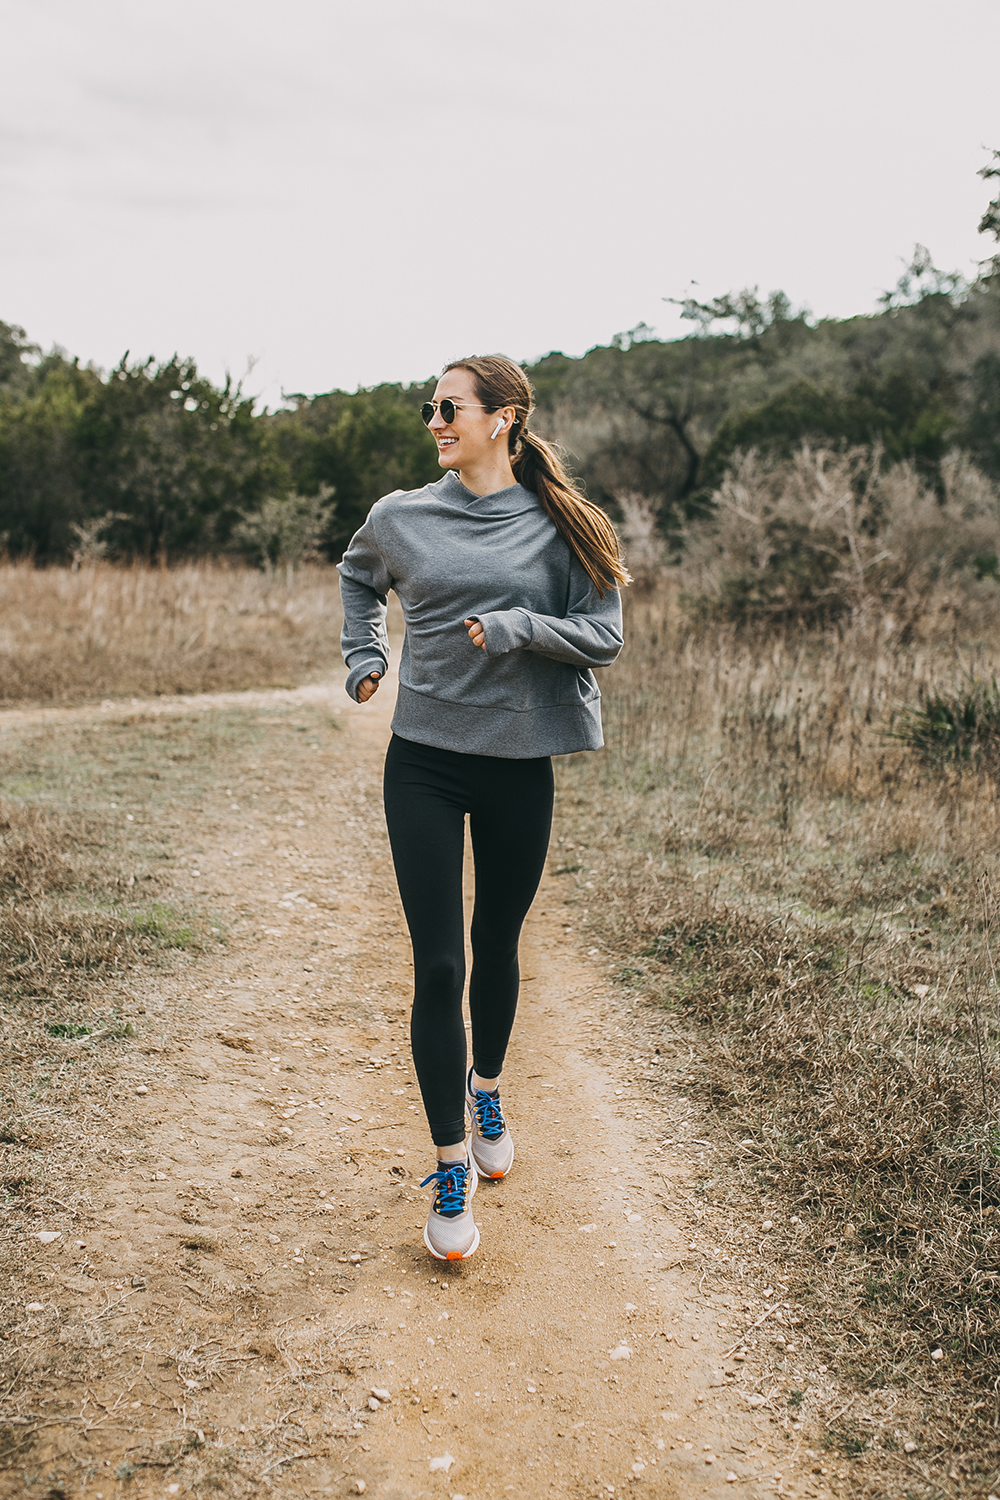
(492, 1144)
(450, 1232)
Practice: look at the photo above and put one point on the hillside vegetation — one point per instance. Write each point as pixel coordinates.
(153, 461)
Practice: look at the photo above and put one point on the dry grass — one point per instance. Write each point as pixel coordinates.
(108, 631)
(819, 907)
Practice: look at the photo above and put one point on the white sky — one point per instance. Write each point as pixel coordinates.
(350, 191)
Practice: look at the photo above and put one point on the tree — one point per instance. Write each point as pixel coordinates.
(361, 445)
(990, 222)
(285, 531)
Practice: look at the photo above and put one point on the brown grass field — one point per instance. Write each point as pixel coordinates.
(820, 905)
(810, 899)
(106, 631)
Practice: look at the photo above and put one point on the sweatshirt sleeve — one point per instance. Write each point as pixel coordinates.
(588, 635)
(364, 583)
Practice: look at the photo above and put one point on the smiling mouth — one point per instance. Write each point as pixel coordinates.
(446, 442)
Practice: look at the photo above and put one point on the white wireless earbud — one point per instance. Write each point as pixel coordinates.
(497, 430)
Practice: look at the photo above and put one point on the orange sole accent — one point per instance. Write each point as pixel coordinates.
(496, 1176)
(454, 1255)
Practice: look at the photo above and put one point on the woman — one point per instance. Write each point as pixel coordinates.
(508, 580)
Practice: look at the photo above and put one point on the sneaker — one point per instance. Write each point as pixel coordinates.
(450, 1232)
(492, 1144)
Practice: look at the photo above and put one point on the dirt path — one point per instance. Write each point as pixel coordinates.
(257, 1271)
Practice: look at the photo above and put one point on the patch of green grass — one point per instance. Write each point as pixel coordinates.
(68, 1029)
(166, 928)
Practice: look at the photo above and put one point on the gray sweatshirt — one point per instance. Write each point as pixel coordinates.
(452, 555)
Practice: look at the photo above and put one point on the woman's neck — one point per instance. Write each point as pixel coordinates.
(489, 476)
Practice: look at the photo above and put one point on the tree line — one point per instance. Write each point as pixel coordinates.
(153, 460)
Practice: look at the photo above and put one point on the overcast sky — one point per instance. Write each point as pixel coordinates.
(346, 193)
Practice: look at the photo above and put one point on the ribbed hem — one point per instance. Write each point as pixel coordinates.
(472, 729)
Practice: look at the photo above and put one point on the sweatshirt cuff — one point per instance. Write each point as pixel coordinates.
(361, 670)
(505, 630)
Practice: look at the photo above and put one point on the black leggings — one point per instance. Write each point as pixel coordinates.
(427, 795)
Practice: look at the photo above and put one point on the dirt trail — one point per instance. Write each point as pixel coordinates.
(259, 1270)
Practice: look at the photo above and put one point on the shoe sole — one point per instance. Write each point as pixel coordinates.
(452, 1254)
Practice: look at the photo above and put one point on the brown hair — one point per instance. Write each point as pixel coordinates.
(584, 527)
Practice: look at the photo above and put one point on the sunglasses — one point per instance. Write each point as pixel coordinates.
(447, 408)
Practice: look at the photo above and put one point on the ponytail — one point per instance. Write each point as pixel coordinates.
(583, 526)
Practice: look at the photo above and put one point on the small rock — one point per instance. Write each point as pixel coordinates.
(638, 1467)
(358, 1487)
(937, 1354)
(34, 1307)
(756, 1400)
(441, 1465)
(621, 1351)
(634, 1218)
(142, 1089)
(586, 1228)
(731, 1477)
(47, 1236)
(380, 1392)
(767, 1224)
(355, 1118)
(355, 1260)
(910, 1447)
(374, 1404)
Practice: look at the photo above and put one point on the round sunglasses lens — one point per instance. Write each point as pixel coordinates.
(427, 412)
(448, 410)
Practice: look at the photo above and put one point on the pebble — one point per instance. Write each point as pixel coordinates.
(142, 1089)
(731, 1477)
(34, 1307)
(48, 1235)
(441, 1465)
(374, 1404)
(767, 1224)
(910, 1447)
(621, 1351)
(937, 1354)
(381, 1394)
(358, 1487)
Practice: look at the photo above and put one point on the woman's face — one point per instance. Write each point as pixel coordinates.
(466, 442)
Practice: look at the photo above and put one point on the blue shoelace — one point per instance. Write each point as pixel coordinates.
(449, 1194)
(489, 1119)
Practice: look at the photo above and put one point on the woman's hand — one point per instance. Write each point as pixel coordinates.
(477, 635)
(368, 686)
